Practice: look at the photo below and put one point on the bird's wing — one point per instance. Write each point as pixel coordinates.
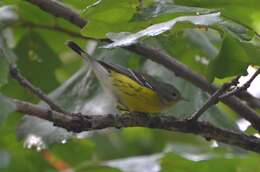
(138, 77)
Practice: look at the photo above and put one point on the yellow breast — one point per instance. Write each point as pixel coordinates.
(134, 96)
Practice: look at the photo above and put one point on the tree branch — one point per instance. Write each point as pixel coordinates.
(214, 99)
(243, 87)
(79, 123)
(57, 9)
(211, 101)
(54, 28)
(159, 57)
(15, 74)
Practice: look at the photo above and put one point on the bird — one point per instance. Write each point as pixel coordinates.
(134, 91)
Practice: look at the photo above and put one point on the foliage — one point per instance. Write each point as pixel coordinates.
(222, 49)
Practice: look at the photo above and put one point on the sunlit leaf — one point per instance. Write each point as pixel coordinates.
(156, 29)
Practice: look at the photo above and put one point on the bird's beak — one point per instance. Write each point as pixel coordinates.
(184, 99)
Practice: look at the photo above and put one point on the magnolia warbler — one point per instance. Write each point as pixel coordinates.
(134, 91)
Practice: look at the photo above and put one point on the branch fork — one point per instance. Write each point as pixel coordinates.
(222, 93)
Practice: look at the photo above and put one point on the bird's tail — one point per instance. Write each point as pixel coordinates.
(75, 47)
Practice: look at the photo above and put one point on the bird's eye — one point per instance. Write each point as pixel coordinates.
(174, 94)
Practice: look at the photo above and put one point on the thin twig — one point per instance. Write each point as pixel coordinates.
(211, 101)
(214, 99)
(243, 87)
(84, 122)
(36, 91)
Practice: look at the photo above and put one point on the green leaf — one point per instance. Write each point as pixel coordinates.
(4, 70)
(161, 9)
(237, 29)
(202, 47)
(98, 168)
(6, 107)
(159, 28)
(109, 16)
(110, 11)
(36, 55)
(172, 162)
(244, 12)
(80, 4)
(233, 58)
(83, 148)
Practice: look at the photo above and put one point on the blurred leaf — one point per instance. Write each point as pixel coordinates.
(36, 55)
(6, 107)
(245, 12)
(5, 51)
(7, 16)
(4, 70)
(147, 163)
(247, 163)
(31, 13)
(98, 168)
(83, 148)
(20, 159)
(202, 41)
(201, 48)
(233, 58)
(4, 159)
